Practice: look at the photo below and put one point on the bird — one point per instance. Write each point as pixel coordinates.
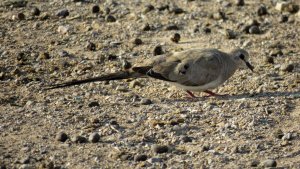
(191, 70)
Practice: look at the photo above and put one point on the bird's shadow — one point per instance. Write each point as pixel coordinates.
(239, 96)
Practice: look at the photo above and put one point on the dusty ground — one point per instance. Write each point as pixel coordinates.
(144, 122)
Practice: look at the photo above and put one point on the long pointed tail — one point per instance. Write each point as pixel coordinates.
(113, 76)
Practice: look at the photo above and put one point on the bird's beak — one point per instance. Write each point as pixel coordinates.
(250, 66)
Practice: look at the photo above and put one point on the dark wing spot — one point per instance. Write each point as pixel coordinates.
(156, 75)
(186, 66)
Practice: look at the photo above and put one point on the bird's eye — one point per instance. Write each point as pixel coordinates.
(242, 56)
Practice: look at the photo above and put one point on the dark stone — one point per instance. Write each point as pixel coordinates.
(94, 104)
(148, 8)
(186, 139)
(171, 27)
(254, 30)
(79, 139)
(61, 136)
(63, 13)
(206, 30)
(140, 157)
(21, 16)
(95, 9)
(262, 10)
(35, 11)
(137, 41)
(160, 149)
(176, 38)
(157, 50)
(269, 163)
(146, 27)
(94, 137)
(110, 18)
(112, 57)
(126, 64)
(283, 18)
(91, 46)
(240, 2)
(269, 59)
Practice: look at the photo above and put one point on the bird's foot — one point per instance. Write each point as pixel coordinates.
(212, 93)
(191, 95)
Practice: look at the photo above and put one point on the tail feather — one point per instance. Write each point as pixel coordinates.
(113, 76)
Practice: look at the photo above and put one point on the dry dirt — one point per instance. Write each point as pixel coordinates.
(145, 123)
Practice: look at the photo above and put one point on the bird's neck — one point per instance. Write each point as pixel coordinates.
(230, 67)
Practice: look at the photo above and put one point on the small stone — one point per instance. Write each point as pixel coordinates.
(284, 6)
(269, 163)
(146, 27)
(79, 139)
(35, 11)
(278, 134)
(287, 136)
(44, 16)
(175, 38)
(160, 149)
(254, 163)
(63, 13)
(177, 10)
(25, 160)
(63, 53)
(262, 10)
(287, 67)
(269, 59)
(186, 139)
(94, 104)
(230, 34)
(90, 46)
(94, 138)
(110, 18)
(137, 41)
(63, 29)
(157, 50)
(171, 27)
(218, 15)
(254, 30)
(140, 157)
(112, 57)
(206, 30)
(44, 55)
(240, 2)
(146, 101)
(95, 9)
(61, 136)
(283, 18)
(21, 16)
(155, 160)
(276, 52)
(126, 64)
(205, 148)
(148, 8)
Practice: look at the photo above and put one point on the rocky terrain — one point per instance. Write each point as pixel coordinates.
(145, 123)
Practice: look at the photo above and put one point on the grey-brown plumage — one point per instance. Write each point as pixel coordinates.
(191, 70)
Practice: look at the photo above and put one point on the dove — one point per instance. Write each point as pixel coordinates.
(191, 70)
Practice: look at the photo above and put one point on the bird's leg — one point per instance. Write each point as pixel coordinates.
(191, 94)
(211, 93)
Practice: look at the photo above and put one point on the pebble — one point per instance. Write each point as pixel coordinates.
(95, 9)
(160, 149)
(140, 157)
(254, 163)
(35, 11)
(240, 2)
(146, 27)
(137, 41)
(63, 29)
(254, 29)
(61, 136)
(126, 64)
(276, 52)
(283, 18)
(110, 18)
(186, 139)
(285, 6)
(158, 50)
(171, 27)
(112, 57)
(63, 13)
(206, 30)
(230, 34)
(90, 46)
(94, 104)
(176, 10)
(79, 139)
(269, 163)
(269, 59)
(287, 136)
(278, 134)
(155, 160)
(94, 138)
(21, 16)
(262, 10)
(287, 67)
(175, 38)
(148, 8)
(146, 102)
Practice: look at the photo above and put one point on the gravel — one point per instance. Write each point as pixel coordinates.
(134, 115)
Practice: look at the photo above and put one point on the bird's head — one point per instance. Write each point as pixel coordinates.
(241, 57)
